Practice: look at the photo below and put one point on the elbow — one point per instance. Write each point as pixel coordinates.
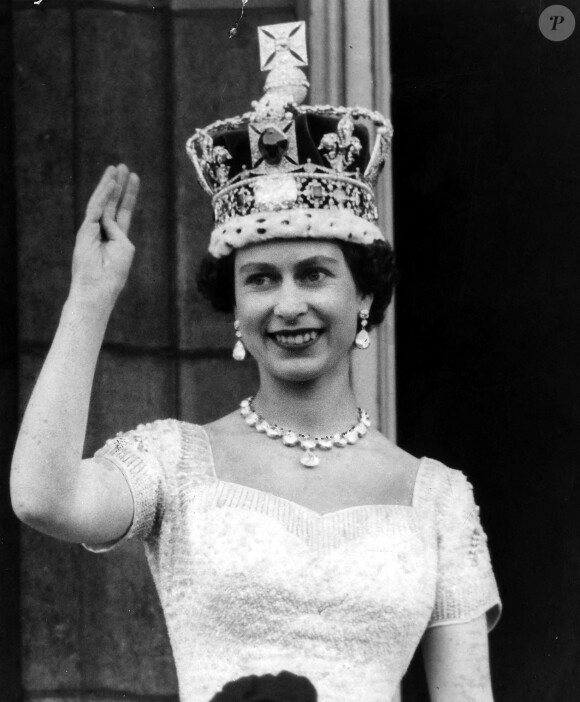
(29, 510)
(39, 515)
(29, 516)
(31, 502)
(18, 495)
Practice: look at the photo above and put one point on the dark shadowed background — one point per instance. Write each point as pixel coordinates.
(487, 214)
(486, 171)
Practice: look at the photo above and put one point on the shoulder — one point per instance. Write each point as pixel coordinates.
(388, 469)
(228, 426)
(228, 436)
(443, 488)
(163, 440)
(442, 476)
(389, 452)
(233, 447)
(145, 438)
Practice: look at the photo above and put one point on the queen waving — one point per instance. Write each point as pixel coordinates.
(289, 535)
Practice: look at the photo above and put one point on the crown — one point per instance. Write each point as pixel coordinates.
(286, 169)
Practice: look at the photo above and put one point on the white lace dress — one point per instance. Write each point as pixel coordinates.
(251, 583)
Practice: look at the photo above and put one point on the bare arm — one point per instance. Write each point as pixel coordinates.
(457, 662)
(52, 489)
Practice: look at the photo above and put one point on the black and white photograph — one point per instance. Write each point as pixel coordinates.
(289, 351)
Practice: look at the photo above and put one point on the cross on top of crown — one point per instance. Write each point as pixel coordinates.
(282, 41)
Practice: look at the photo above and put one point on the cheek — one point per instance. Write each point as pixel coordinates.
(347, 323)
(344, 305)
(349, 319)
(250, 313)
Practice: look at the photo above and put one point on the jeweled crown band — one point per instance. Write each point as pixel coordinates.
(319, 190)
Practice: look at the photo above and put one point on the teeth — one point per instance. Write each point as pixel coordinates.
(297, 339)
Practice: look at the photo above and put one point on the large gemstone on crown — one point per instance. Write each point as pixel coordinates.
(275, 192)
(273, 145)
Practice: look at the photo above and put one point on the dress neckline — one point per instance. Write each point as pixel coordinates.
(419, 478)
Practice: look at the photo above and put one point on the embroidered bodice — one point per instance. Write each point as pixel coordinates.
(251, 583)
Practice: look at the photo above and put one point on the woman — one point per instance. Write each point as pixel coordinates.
(288, 535)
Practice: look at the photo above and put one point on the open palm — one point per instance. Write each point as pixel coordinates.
(103, 253)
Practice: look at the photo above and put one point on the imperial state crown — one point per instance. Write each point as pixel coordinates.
(286, 169)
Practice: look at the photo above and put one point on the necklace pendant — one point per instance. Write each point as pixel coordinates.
(309, 459)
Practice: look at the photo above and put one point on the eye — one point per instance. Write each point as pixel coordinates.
(258, 280)
(314, 275)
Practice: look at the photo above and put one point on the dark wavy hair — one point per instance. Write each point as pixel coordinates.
(372, 267)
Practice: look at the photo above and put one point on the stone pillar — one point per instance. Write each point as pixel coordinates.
(349, 64)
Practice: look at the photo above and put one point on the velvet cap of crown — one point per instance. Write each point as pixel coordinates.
(289, 170)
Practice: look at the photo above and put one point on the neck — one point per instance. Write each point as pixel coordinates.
(318, 408)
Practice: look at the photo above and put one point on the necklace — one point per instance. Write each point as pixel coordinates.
(307, 443)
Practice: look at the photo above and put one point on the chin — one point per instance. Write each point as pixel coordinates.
(299, 370)
(298, 376)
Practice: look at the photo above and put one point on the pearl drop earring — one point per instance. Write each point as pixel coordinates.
(239, 352)
(362, 339)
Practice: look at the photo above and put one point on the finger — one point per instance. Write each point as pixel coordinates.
(100, 195)
(121, 177)
(128, 202)
(98, 201)
(110, 209)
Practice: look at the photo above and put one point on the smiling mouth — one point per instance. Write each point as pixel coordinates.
(304, 337)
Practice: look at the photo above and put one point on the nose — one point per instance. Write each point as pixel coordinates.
(290, 303)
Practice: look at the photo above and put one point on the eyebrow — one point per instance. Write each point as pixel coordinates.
(304, 263)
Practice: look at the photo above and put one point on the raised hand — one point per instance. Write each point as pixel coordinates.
(103, 253)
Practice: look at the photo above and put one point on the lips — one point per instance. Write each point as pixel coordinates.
(295, 339)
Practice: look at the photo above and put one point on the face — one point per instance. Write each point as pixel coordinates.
(298, 306)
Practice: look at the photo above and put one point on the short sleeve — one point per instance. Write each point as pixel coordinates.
(466, 585)
(147, 457)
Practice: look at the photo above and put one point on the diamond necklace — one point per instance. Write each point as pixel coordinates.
(307, 443)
